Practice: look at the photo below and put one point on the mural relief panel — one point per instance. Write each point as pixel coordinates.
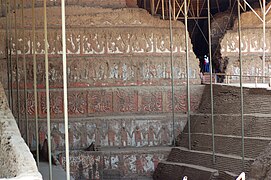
(106, 41)
(56, 104)
(150, 101)
(125, 101)
(142, 42)
(73, 42)
(118, 42)
(94, 43)
(90, 166)
(100, 101)
(77, 103)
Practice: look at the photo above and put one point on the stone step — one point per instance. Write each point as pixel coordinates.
(226, 144)
(223, 162)
(257, 125)
(176, 171)
(227, 100)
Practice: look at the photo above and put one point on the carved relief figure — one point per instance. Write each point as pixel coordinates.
(94, 43)
(98, 136)
(114, 71)
(101, 72)
(164, 132)
(137, 136)
(118, 42)
(56, 136)
(142, 42)
(73, 43)
(42, 135)
(71, 137)
(139, 165)
(151, 136)
(83, 136)
(111, 136)
(124, 137)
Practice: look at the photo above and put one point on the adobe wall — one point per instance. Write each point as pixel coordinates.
(115, 164)
(118, 73)
(88, 3)
(252, 46)
(119, 80)
(220, 24)
(16, 159)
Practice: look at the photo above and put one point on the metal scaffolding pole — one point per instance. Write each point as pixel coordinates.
(25, 77)
(241, 84)
(17, 61)
(187, 73)
(47, 92)
(7, 52)
(152, 7)
(35, 78)
(66, 119)
(172, 73)
(264, 39)
(211, 80)
(10, 58)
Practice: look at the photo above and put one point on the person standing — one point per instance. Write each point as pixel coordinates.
(206, 64)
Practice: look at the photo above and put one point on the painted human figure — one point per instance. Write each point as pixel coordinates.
(97, 136)
(42, 136)
(84, 136)
(71, 138)
(151, 135)
(56, 135)
(111, 137)
(123, 136)
(164, 135)
(137, 134)
(155, 160)
(139, 165)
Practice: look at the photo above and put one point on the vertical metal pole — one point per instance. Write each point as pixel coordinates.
(47, 92)
(152, 7)
(211, 83)
(145, 4)
(241, 85)
(7, 52)
(35, 78)
(163, 9)
(174, 10)
(264, 39)
(17, 61)
(187, 73)
(24, 60)
(10, 58)
(172, 73)
(66, 120)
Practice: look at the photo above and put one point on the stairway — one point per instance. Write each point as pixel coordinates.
(227, 137)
